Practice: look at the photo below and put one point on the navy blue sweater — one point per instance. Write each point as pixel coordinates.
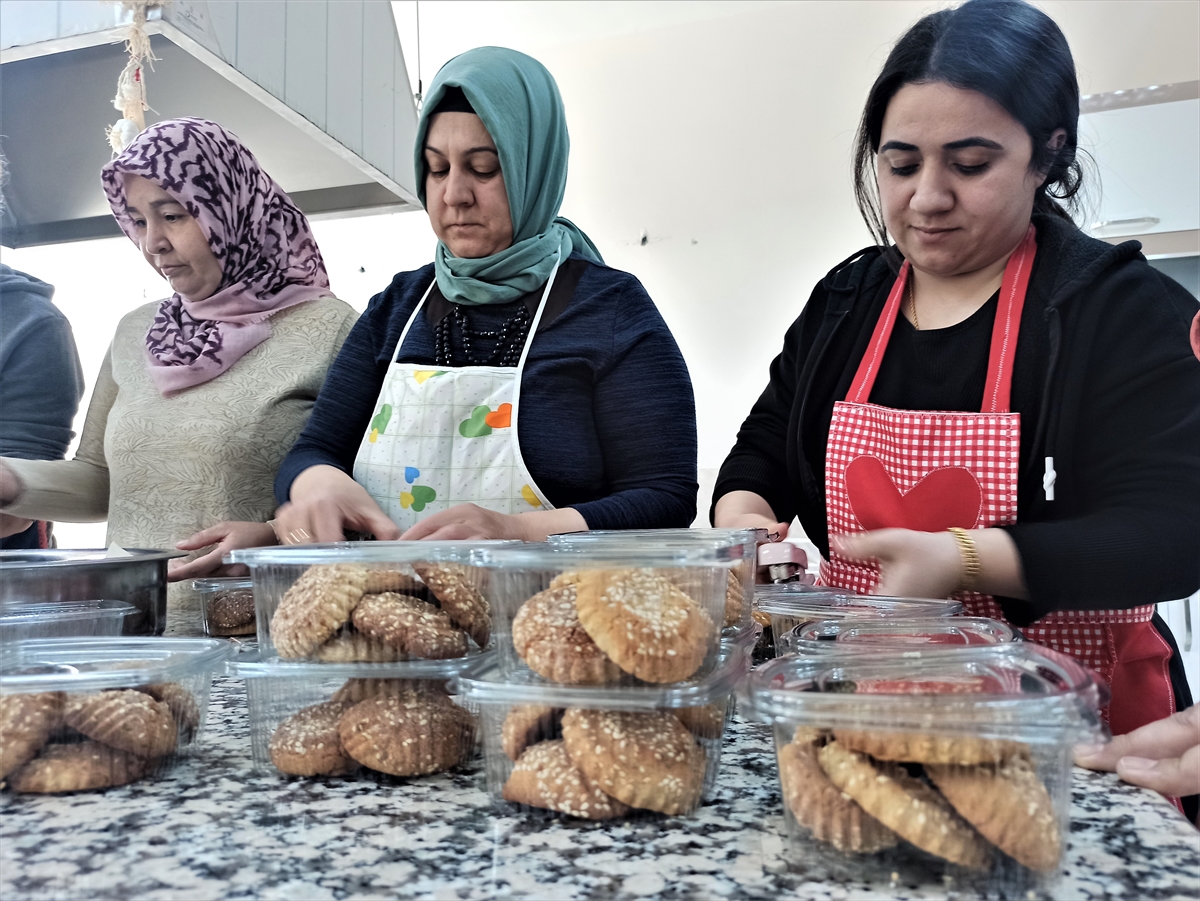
(608, 420)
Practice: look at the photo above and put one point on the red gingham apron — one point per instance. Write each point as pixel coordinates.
(929, 471)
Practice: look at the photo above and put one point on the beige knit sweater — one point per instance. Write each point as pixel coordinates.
(161, 468)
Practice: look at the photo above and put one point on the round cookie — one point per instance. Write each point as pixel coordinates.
(645, 624)
(1009, 806)
(307, 743)
(734, 589)
(352, 647)
(545, 777)
(707, 721)
(356, 690)
(316, 606)
(646, 760)
(182, 704)
(232, 613)
(453, 586)
(528, 724)
(821, 808)
(380, 581)
(124, 719)
(409, 734)
(26, 721)
(906, 805)
(907, 747)
(78, 767)
(411, 626)
(548, 636)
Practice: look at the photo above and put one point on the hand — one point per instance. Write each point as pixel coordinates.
(465, 522)
(11, 525)
(226, 536)
(325, 503)
(911, 564)
(747, 510)
(1163, 755)
(10, 486)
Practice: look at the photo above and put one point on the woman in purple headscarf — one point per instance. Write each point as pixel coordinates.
(201, 394)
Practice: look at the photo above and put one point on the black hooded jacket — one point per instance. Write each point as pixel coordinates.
(1105, 382)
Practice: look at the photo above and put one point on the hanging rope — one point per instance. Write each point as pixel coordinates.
(131, 84)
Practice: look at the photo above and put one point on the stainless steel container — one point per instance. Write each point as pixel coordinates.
(80, 575)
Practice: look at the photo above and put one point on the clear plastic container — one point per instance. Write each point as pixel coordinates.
(21, 621)
(609, 614)
(795, 604)
(370, 601)
(950, 770)
(226, 607)
(740, 587)
(869, 636)
(83, 714)
(356, 719)
(599, 753)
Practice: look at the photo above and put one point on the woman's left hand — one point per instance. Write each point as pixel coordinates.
(911, 564)
(465, 522)
(227, 536)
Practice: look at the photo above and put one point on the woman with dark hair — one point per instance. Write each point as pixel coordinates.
(996, 406)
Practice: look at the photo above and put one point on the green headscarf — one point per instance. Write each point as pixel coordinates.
(520, 106)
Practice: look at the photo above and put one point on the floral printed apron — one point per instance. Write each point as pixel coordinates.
(441, 437)
(930, 471)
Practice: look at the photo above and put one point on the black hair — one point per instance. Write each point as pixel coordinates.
(453, 100)
(1006, 50)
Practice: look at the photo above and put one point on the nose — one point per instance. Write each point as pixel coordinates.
(932, 193)
(155, 240)
(459, 189)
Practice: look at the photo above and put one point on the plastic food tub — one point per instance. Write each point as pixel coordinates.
(740, 588)
(944, 769)
(226, 606)
(870, 636)
(82, 714)
(609, 614)
(794, 604)
(356, 719)
(63, 619)
(600, 752)
(370, 601)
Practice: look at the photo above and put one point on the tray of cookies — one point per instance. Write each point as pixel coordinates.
(739, 588)
(227, 606)
(793, 604)
(83, 714)
(946, 768)
(24, 620)
(370, 601)
(607, 614)
(597, 753)
(365, 720)
(871, 635)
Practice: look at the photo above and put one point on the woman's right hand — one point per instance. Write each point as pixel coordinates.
(747, 510)
(325, 502)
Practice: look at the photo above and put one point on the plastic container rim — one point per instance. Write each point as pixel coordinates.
(600, 556)
(158, 659)
(891, 625)
(363, 552)
(216, 583)
(64, 611)
(252, 665)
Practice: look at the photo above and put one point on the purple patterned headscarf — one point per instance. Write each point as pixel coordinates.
(263, 242)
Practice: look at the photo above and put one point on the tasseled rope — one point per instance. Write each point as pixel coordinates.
(131, 84)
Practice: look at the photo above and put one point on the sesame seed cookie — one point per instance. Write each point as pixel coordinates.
(316, 606)
(124, 719)
(78, 767)
(528, 724)
(26, 721)
(231, 612)
(964, 750)
(454, 587)
(646, 760)
(411, 626)
(706, 721)
(182, 704)
(734, 601)
(548, 635)
(384, 580)
(307, 742)
(546, 777)
(409, 734)
(352, 647)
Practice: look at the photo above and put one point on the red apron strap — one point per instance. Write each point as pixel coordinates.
(998, 386)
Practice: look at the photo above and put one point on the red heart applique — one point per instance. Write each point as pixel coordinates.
(501, 418)
(944, 498)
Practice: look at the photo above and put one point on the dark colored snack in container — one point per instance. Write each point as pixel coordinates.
(231, 612)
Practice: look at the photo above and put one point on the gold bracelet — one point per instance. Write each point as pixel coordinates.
(970, 559)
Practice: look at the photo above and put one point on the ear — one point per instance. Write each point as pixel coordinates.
(1057, 139)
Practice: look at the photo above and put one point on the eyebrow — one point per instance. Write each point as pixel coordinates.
(154, 204)
(953, 145)
(466, 152)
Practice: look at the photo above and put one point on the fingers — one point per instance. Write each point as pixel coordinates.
(195, 569)
(1169, 737)
(204, 537)
(860, 548)
(1175, 776)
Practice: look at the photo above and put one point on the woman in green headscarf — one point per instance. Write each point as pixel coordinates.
(514, 388)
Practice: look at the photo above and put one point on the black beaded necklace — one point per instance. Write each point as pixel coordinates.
(456, 336)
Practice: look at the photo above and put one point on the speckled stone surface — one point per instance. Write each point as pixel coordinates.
(213, 829)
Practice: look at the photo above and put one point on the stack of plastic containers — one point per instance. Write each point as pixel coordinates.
(83, 714)
(949, 768)
(612, 686)
(357, 643)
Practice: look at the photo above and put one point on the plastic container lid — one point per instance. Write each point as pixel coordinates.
(93, 664)
(363, 552)
(923, 635)
(605, 555)
(222, 584)
(20, 613)
(251, 665)
(1015, 691)
(662, 536)
(809, 602)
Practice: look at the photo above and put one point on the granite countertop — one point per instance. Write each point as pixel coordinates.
(214, 829)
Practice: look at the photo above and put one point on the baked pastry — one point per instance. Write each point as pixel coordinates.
(706, 721)
(124, 719)
(380, 581)
(316, 606)
(409, 625)
(26, 721)
(78, 767)
(453, 586)
(563, 579)
(734, 602)
(407, 734)
(356, 690)
(182, 704)
(1009, 806)
(906, 805)
(546, 777)
(548, 635)
(909, 747)
(646, 760)
(528, 724)
(231, 612)
(821, 808)
(307, 743)
(644, 623)
(351, 647)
